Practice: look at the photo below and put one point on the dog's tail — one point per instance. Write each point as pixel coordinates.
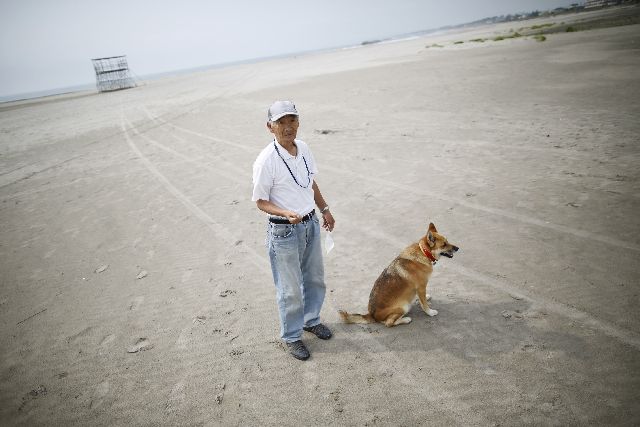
(356, 318)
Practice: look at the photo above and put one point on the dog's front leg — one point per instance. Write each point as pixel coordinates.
(424, 301)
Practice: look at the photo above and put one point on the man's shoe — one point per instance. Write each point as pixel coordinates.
(320, 331)
(298, 350)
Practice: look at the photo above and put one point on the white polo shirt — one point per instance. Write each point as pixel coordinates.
(272, 180)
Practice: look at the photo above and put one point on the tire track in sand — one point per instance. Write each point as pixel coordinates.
(587, 235)
(218, 229)
(564, 310)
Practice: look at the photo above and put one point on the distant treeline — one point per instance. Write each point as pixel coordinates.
(575, 7)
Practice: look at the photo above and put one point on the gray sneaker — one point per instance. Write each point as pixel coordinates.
(320, 331)
(298, 350)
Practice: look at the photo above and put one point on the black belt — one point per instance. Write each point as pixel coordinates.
(305, 218)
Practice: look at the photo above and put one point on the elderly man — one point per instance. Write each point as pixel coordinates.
(284, 187)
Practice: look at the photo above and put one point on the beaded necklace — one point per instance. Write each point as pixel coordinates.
(291, 173)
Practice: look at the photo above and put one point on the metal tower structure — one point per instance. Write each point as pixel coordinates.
(112, 73)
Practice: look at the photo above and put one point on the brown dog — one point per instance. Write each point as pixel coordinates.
(407, 275)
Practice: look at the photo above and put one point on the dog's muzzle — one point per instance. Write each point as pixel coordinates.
(449, 254)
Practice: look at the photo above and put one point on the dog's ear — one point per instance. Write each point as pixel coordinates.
(430, 238)
(432, 228)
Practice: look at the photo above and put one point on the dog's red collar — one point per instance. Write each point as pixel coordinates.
(427, 253)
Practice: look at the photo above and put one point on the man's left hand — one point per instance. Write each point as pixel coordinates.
(328, 221)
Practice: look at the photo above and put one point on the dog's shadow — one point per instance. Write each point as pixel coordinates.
(465, 330)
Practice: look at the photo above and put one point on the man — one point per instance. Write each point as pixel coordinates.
(284, 187)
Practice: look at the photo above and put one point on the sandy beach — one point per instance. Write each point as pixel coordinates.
(136, 287)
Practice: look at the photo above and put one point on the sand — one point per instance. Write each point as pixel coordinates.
(136, 290)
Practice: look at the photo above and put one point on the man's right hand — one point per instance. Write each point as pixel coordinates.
(271, 209)
(293, 217)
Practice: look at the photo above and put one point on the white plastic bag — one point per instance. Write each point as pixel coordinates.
(328, 242)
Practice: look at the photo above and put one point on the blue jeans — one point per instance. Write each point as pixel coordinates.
(298, 273)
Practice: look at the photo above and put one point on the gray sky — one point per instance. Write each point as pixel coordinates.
(46, 44)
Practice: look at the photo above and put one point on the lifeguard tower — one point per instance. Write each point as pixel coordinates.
(112, 73)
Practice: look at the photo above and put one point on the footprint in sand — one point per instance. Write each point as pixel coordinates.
(80, 335)
(105, 342)
(176, 397)
(186, 276)
(136, 303)
(220, 390)
(142, 344)
(99, 394)
(49, 253)
(33, 394)
(183, 339)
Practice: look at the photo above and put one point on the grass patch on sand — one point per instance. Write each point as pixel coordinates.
(436, 45)
(538, 27)
(508, 36)
(539, 32)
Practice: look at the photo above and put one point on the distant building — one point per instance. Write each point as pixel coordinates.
(590, 4)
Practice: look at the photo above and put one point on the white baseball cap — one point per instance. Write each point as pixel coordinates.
(280, 109)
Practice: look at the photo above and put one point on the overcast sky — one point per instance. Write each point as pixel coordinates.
(46, 44)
